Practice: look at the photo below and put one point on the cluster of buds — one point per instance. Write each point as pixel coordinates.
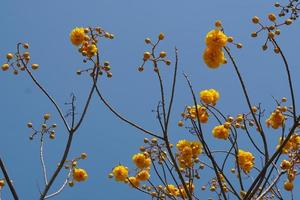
(87, 39)
(150, 56)
(291, 9)
(18, 61)
(272, 30)
(105, 68)
(76, 174)
(213, 184)
(237, 122)
(193, 112)
(142, 162)
(44, 129)
(292, 163)
(290, 166)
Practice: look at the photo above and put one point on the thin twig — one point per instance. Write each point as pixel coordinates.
(289, 79)
(61, 188)
(173, 85)
(271, 186)
(260, 129)
(42, 159)
(123, 118)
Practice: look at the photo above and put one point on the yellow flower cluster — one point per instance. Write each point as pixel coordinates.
(142, 162)
(210, 96)
(201, 111)
(289, 166)
(276, 119)
(245, 160)
(178, 192)
(79, 174)
(188, 152)
(79, 36)
(213, 55)
(293, 143)
(221, 132)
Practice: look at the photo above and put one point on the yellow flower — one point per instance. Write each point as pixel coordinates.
(141, 160)
(188, 151)
(285, 165)
(213, 57)
(172, 190)
(181, 144)
(215, 39)
(276, 119)
(79, 174)
(245, 160)
(88, 50)
(134, 182)
(220, 132)
(210, 96)
(143, 175)
(120, 173)
(77, 36)
(202, 114)
(196, 148)
(292, 145)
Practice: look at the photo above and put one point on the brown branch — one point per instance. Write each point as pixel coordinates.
(216, 168)
(260, 129)
(59, 167)
(254, 186)
(9, 183)
(289, 79)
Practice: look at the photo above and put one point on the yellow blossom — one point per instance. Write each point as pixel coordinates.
(172, 190)
(293, 144)
(77, 36)
(141, 160)
(196, 148)
(220, 132)
(213, 57)
(245, 160)
(181, 144)
(188, 152)
(143, 175)
(134, 182)
(79, 174)
(201, 111)
(276, 119)
(215, 39)
(120, 173)
(285, 164)
(210, 96)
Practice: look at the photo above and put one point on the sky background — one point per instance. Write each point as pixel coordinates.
(46, 25)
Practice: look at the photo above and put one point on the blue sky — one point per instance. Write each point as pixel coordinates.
(107, 141)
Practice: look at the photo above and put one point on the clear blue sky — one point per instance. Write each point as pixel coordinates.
(106, 140)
